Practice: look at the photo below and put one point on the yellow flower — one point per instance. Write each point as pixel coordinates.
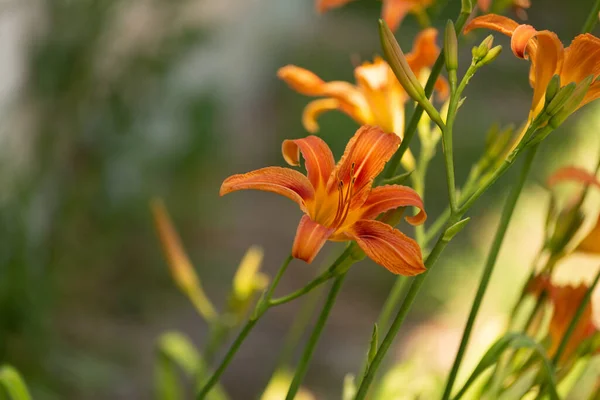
(393, 11)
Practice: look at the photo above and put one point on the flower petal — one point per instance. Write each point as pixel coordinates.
(484, 5)
(494, 22)
(324, 5)
(394, 11)
(566, 301)
(284, 181)
(388, 247)
(582, 58)
(364, 158)
(310, 238)
(301, 80)
(573, 174)
(314, 109)
(424, 52)
(384, 198)
(546, 53)
(318, 158)
(591, 243)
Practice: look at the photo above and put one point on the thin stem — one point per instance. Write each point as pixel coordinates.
(314, 338)
(329, 273)
(397, 323)
(386, 312)
(592, 18)
(411, 128)
(261, 307)
(575, 321)
(228, 357)
(507, 214)
(447, 141)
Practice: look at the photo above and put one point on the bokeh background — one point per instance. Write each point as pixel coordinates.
(105, 104)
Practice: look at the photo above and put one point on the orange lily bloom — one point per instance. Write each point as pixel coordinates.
(393, 11)
(548, 56)
(591, 243)
(566, 301)
(339, 201)
(376, 99)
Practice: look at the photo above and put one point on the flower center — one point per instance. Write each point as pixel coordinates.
(344, 200)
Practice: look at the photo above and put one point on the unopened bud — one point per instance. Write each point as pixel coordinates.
(248, 279)
(180, 266)
(560, 98)
(573, 103)
(451, 47)
(479, 52)
(491, 55)
(552, 88)
(399, 65)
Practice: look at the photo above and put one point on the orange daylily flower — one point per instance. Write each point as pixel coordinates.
(566, 301)
(591, 243)
(548, 56)
(393, 11)
(376, 99)
(518, 5)
(339, 201)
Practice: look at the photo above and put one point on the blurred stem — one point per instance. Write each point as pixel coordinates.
(343, 261)
(261, 307)
(400, 316)
(314, 337)
(411, 128)
(592, 18)
(435, 253)
(507, 214)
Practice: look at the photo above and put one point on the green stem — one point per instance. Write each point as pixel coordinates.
(314, 338)
(342, 261)
(507, 214)
(411, 128)
(261, 307)
(447, 141)
(228, 357)
(400, 316)
(592, 18)
(386, 312)
(573, 325)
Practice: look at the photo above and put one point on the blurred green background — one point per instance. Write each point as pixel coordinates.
(105, 104)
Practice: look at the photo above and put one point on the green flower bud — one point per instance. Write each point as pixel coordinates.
(573, 102)
(397, 61)
(450, 47)
(552, 88)
(560, 98)
(482, 50)
(491, 55)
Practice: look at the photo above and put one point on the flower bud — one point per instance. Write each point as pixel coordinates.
(399, 65)
(573, 102)
(450, 47)
(180, 266)
(491, 55)
(552, 88)
(560, 98)
(482, 50)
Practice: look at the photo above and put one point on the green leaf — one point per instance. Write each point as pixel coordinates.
(397, 180)
(515, 341)
(455, 229)
(175, 350)
(12, 384)
(373, 345)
